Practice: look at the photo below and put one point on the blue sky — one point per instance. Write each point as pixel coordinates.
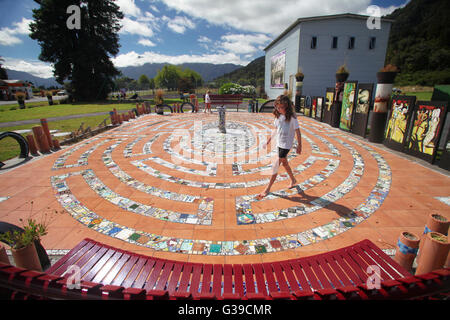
(179, 31)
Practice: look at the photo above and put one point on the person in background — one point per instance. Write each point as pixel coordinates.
(207, 102)
(287, 128)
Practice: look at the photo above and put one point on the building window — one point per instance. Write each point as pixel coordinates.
(351, 43)
(372, 42)
(334, 44)
(313, 42)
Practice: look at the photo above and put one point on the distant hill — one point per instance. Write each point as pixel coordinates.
(208, 71)
(419, 42)
(253, 74)
(25, 76)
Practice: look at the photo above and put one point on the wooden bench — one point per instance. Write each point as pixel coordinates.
(226, 99)
(110, 273)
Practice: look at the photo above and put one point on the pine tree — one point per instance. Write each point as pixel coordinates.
(80, 55)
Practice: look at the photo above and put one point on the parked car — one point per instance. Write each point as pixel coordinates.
(62, 93)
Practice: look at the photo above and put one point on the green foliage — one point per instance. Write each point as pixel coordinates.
(81, 55)
(3, 73)
(231, 88)
(419, 43)
(21, 239)
(173, 77)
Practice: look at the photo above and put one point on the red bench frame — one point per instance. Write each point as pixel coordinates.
(226, 99)
(110, 273)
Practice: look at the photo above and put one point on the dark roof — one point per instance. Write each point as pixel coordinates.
(317, 18)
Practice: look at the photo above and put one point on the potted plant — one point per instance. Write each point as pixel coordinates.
(159, 100)
(49, 97)
(387, 74)
(342, 73)
(299, 75)
(22, 243)
(20, 96)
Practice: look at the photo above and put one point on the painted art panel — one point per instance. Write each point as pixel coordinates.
(348, 102)
(398, 122)
(428, 120)
(319, 108)
(277, 70)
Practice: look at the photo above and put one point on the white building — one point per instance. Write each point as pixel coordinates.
(319, 46)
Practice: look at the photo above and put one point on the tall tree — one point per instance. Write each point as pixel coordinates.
(168, 77)
(3, 73)
(80, 55)
(144, 82)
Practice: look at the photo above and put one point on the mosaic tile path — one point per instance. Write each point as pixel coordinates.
(173, 186)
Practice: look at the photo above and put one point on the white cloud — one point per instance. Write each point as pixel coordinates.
(136, 27)
(128, 7)
(36, 68)
(243, 43)
(135, 59)
(179, 24)
(8, 36)
(146, 42)
(265, 16)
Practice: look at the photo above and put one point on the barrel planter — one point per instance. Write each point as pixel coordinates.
(385, 82)
(27, 257)
(407, 247)
(435, 223)
(433, 253)
(3, 256)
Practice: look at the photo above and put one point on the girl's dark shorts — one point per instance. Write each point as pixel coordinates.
(282, 153)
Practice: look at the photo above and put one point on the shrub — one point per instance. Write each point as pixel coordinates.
(231, 88)
(249, 90)
(342, 69)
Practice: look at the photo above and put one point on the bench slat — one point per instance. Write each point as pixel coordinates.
(319, 274)
(217, 280)
(398, 268)
(206, 280)
(78, 250)
(196, 275)
(162, 281)
(125, 270)
(249, 281)
(238, 280)
(115, 269)
(108, 268)
(145, 271)
(132, 276)
(185, 278)
(293, 284)
(281, 279)
(268, 272)
(362, 276)
(111, 253)
(154, 275)
(348, 271)
(310, 275)
(301, 276)
(79, 259)
(228, 278)
(364, 256)
(331, 269)
(173, 282)
(90, 259)
(260, 281)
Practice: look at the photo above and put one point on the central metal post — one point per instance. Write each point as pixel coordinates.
(221, 111)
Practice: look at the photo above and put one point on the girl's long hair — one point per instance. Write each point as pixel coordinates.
(289, 108)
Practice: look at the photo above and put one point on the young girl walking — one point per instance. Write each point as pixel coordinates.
(287, 127)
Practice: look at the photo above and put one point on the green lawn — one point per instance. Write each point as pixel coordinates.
(60, 110)
(424, 96)
(9, 148)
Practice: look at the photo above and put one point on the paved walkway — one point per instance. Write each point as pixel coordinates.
(147, 187)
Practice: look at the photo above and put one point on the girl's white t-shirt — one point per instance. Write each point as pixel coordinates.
(285, 131)
(207, 99)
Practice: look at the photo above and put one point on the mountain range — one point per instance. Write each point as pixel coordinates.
(208, 71)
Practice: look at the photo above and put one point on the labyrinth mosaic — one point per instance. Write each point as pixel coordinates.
(179, 161)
